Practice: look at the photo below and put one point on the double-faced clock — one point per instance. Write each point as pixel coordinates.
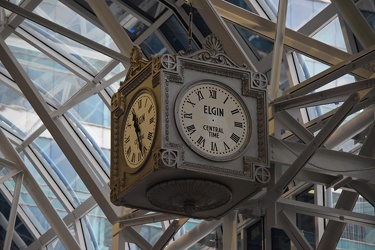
(213, 120)
(139, 131)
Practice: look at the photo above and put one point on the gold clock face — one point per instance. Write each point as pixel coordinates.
(140, 128)
(213, 120)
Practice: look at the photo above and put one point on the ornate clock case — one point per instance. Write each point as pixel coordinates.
(201, 171)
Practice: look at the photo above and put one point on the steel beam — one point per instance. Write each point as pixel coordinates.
(112, 26)
(230, 230)
(357, 167)
(293, 232)
(355, 20)
(326, 212)
(335, 95)
(169, 233)
(132, 236)
(63, 31)
(297, 41)
(40, 199)
(332, 73)
(278, 49)
(13, 211)
(311, 148)
(59, 131)
(194, 235)
(334, 229)
(218, 26)
(294, 126)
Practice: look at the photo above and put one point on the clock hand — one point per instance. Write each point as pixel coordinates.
(137, 131)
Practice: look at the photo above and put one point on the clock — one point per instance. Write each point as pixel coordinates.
(213, 120)
(139, 131)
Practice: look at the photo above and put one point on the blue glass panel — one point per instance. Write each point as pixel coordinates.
(28, 205)
(19, 227)
(239, 3)
(299, 12)
(331, 34)
(57, 12)
(149, 8)
(97, 230)
(152, 46)
(62, 168)
(51, 78)
(132, 25)
(258, 45)
(16, 114)
(198, 20)
(176, 35)
(45, 188)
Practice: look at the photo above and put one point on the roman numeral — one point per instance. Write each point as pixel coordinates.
(235, 137)
(127, 139)
(188, 115)
(149, 109)
(133, 157)
(146, 103)
(191, 129)
(238, 124)
(226, 147)
(139, 156)
(149, 136)
(128, 151)
(200, 95)
(189, 101)
(152, 119)
(226, 99)
(235, 111)
(212, 93)
(201, 140)
(139, 103)
(213, 146)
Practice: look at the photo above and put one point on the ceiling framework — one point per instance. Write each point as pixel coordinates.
(330, 151)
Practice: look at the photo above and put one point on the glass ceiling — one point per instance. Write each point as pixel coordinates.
(60, 63)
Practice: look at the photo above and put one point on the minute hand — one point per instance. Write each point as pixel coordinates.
(137, 131)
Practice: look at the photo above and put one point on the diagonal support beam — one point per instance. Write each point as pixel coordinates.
(296, 128)
(316, 143)
(132, 236)
(169, 233)
(113, 27)
(335, 95)
(293, 232)
(13, 211)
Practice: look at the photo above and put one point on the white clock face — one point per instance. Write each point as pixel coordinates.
(140, 128)
(213, 121)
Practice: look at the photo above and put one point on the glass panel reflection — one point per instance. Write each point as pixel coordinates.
(16, 114)
(152, 46)
(28, 205)
(53, 81)
(97, 230)
(57, 12)
(45, 188)
(331, 34)
(299, 12)
(258, 45)
(150, 8)
(132, 25)
(61, 168)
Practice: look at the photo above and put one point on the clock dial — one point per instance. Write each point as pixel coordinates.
(213, 120)
(140, 128)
